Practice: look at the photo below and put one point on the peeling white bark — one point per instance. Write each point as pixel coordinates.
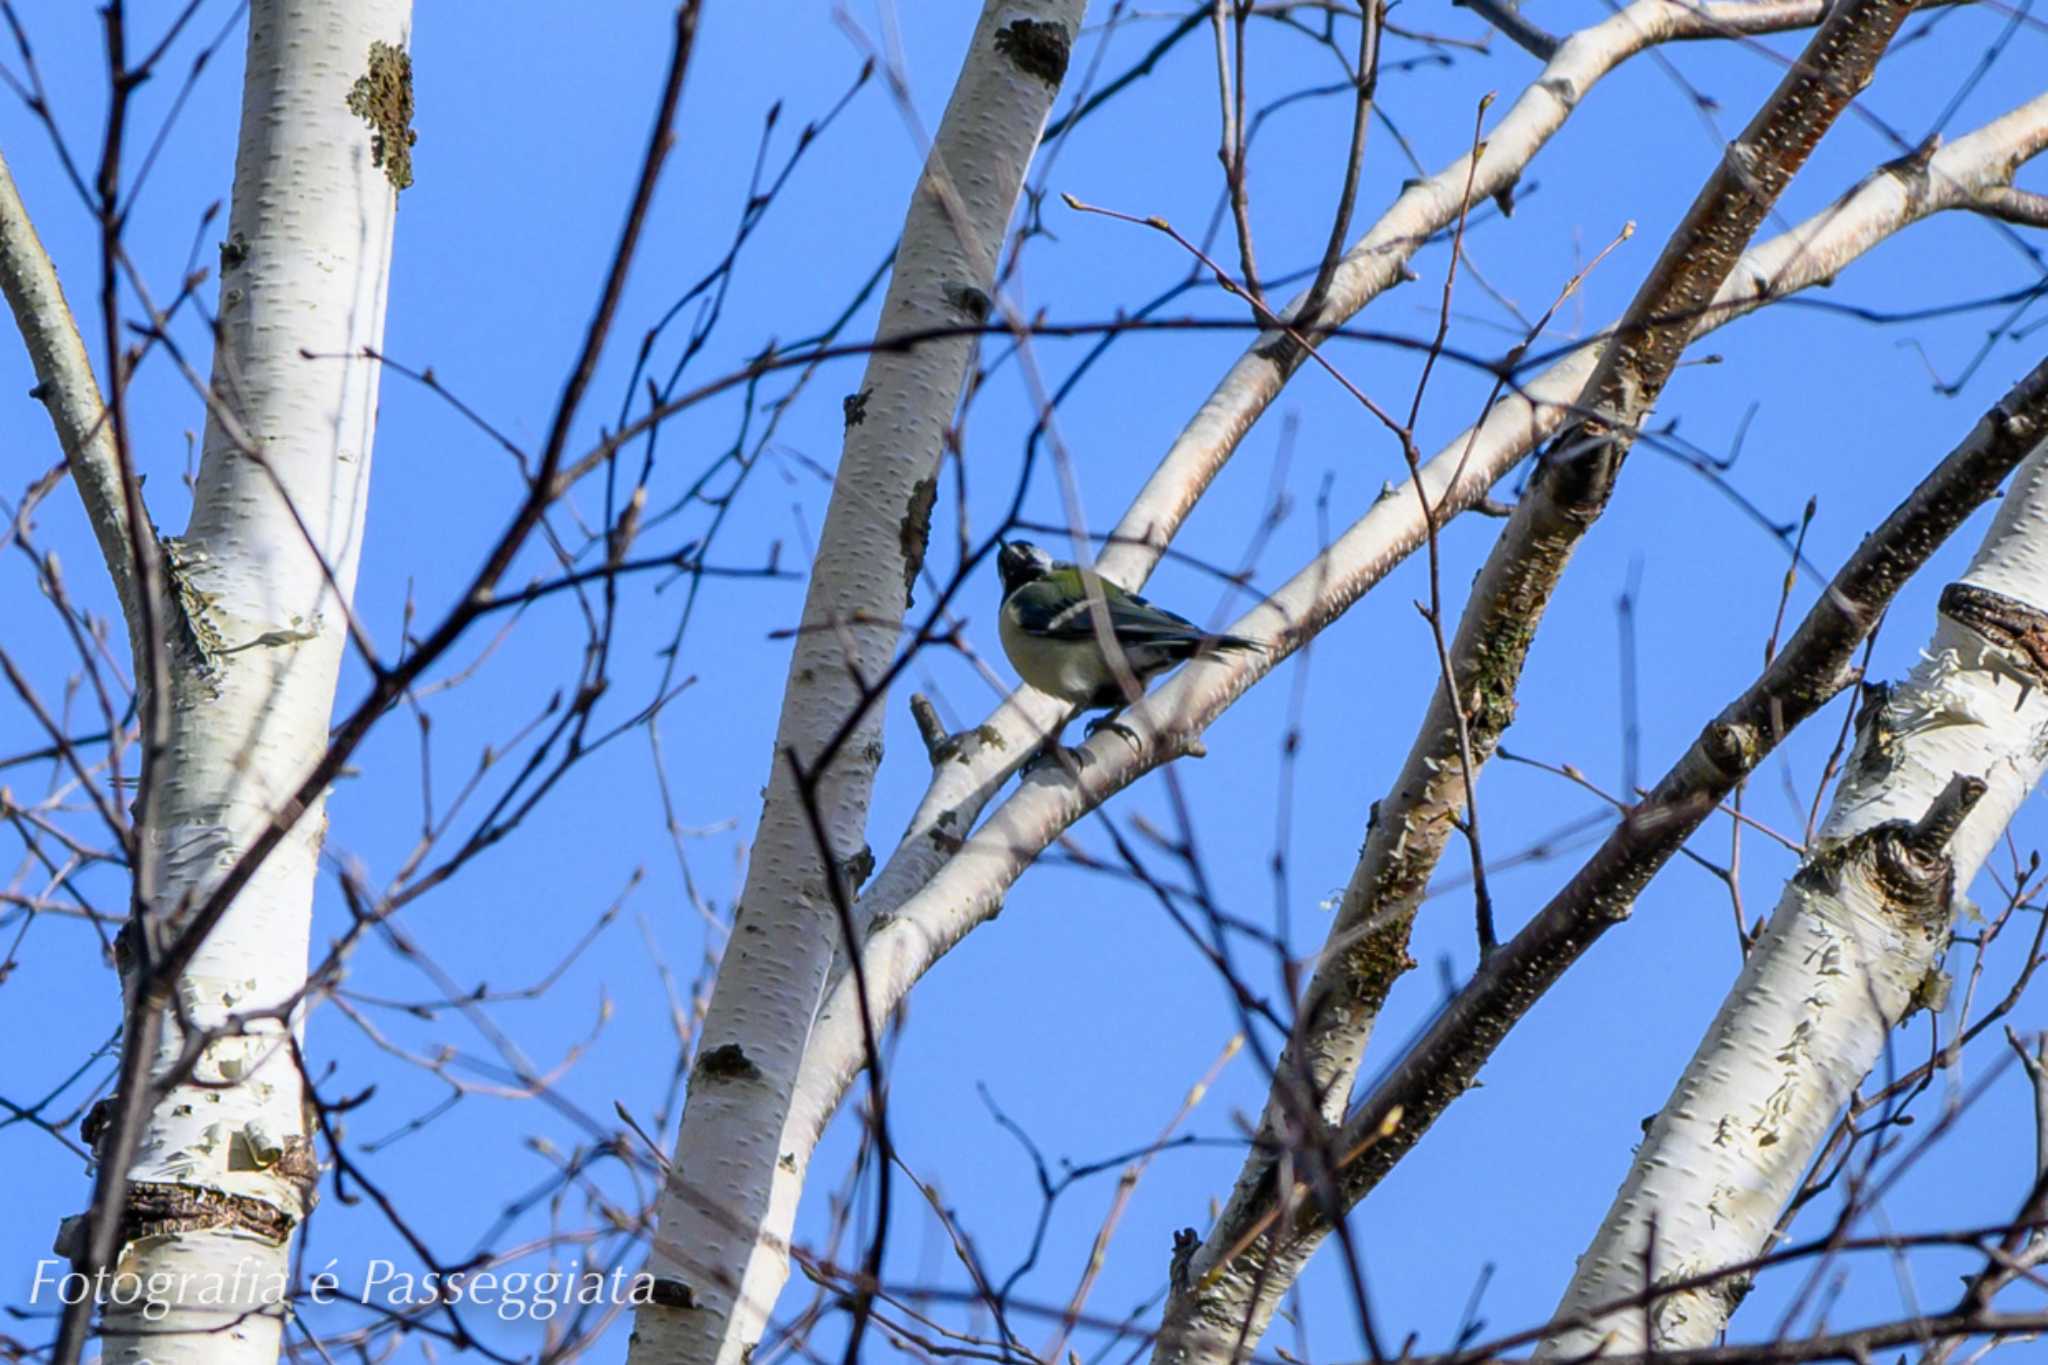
(1838, 967)
(716, 1274)
(255, 649)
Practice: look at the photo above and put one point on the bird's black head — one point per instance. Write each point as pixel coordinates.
(1021, 562)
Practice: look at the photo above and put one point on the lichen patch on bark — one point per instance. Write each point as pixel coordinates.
(382, 98)
(914, 533)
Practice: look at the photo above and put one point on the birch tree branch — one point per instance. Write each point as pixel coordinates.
(990, 753)
(1506, 16)
(715, 1277)
(65, 383)
(1844, 958)
(2024, 208)
(2034, 1062)
(969, 884)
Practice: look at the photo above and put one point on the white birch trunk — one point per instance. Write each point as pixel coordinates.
(225, 1167)
(715, 1275)
(1842, 962)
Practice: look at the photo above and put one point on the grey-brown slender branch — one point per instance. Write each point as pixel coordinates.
(65, 383)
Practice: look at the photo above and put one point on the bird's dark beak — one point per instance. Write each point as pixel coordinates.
(1010, 561)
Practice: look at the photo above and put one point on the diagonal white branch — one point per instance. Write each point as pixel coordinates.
(65, 383)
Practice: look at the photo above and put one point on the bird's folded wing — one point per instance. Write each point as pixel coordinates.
(1132, 619)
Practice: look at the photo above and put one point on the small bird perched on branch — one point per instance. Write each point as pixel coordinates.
(1049, 631)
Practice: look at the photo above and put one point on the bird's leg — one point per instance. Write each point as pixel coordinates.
(1108, 721)
(1050, 749)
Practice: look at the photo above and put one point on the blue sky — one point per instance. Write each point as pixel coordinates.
(1082, 1012)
